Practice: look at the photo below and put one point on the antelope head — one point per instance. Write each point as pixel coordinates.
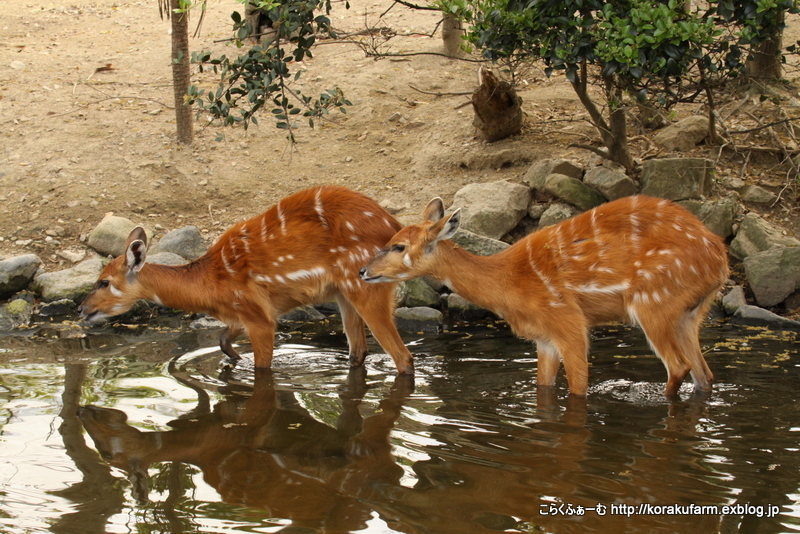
(412, 251)
(116, 289)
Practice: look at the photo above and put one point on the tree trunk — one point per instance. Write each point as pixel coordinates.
(613, 133)
(452, 35)
(765, 60)
(181, 73)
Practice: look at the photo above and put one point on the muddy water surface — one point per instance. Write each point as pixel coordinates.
(138, 430)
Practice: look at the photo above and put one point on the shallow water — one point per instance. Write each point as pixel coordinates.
(138, 430)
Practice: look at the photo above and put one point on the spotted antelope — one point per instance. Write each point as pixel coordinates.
(304, 250)
(641, 260)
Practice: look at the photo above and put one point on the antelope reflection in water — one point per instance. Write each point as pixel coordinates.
(269, 452)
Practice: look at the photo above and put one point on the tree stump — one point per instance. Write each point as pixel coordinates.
(498, 109)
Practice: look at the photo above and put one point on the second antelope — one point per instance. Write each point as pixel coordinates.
(304, 250)
(638, 259)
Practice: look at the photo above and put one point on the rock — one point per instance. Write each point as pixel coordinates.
(612, 184)
(536, 210)
(557, 213)
(773, 274)
(792, 302)
(460, 309)
(72, 256)
(110, 235)
(755, 316)
(58, 308)
(73, 283)
(419, 319)
(393, 207)
(573, 192)
(538, 172)
(166, 258)
(17, 65)
(186, 242)
(492, 209)
(418, 293)
(717, 215)
(303, 314)
(756, 235)
(206, 322)
(758, 195)
(477, 244)
(15, 314)
(677, 178)
(16, 273)
(734, 183)
(684, 135)
(734, 300)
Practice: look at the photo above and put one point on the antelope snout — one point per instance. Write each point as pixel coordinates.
(365, 276)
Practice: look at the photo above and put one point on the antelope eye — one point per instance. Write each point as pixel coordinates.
(398, 248)
(102, 284)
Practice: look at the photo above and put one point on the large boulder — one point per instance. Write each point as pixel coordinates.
(684, 135)
(492, 209)
(757, 235)
(110, 235)
(417, 292)
(611, 183)
(418, 319)
(73, 283)
(573, 192)
(538, 172)
(186, 242)
(773, 274)
(717, 215)
(557, 213)
(17, 273)
(677, 178)
(478, 244)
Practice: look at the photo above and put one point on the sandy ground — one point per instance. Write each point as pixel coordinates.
(76, 143)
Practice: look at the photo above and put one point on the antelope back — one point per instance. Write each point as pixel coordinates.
(633, 251)
(296, 252)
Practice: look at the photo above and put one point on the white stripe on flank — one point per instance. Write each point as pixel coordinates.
(225, 262)
(545, 280)
(264, 231)
(318, 207)
(282, 218)
(306, 273)
(244, 240)
(593, 287)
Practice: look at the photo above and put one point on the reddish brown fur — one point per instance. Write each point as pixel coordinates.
(302, 251)
(637, 259)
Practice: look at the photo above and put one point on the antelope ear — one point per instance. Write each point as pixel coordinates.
(434, 210)
(446, 228)
(136, 250)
